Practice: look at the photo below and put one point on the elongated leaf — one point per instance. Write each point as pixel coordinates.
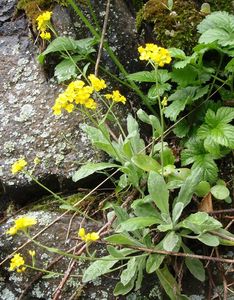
(187, 189)
(194, 265)
(169, 284)
(146, 162)
(171, 241)
(98, 268)
(90, 169)
(66, 69)
(158, 191)
(137, 223)
(153, 262)
(122, 239)
(129, 272)
(121, 289)
(103, 266)
(220, 192)
(209, 239)
(176, 212)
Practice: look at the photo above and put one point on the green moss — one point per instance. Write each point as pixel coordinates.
(175, 28)
(222, 5)
(33, 8)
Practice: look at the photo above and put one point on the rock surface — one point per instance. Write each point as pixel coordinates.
(28, 127)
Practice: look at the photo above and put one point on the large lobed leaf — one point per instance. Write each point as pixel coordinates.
(217, 27)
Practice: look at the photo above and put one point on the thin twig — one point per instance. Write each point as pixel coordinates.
(102, 37)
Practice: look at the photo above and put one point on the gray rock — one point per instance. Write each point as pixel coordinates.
(28, 127)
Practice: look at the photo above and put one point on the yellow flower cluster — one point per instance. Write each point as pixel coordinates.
(21, 224)
(77, 93)
(96, 83)
(89, 237)
(18, 166)
(164, 101)
(160, 56)
(42, 23)
(17, 262)
(116, 97)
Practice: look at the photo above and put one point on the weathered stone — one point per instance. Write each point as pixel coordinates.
(28, 126)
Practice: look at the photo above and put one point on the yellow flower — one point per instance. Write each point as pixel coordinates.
(89, 237)
(75, 93)
(21, 224)
(36, 160)
(164, 101)
(116, 97)
(160, 56)
(17, 262)
(97, 84)
(18, 166)
(45, 35)
(32, 253)
(43, 20)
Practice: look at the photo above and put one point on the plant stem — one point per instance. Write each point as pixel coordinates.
(111, 54)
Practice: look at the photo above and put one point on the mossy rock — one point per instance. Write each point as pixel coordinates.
(177, 27)
(33, 8)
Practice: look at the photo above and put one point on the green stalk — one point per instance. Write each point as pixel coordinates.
(111, 54)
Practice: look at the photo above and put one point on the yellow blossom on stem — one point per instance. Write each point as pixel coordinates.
(160, 56)
(96, 83)
(21, 224)
(76, 93)
(32, 253)
(116, 97)
(89, 237)
(164, 101)
(43, 20)
(17, 263)
(45, 35)
(18, 166)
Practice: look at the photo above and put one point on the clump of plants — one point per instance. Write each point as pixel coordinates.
(156, 218)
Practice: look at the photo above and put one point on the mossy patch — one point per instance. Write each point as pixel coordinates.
(177, 27)
(33, 8)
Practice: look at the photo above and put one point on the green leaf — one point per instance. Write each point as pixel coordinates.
(203, 161)
(220, 192)
(122, 239)
(194, 265)
(188, 187)
(129, 272)
(168, 157)
(114, 252)
(137, 223)
(217, 129)
(176, 212)
(200, 223)
(157, 91)
(103, 266)
(169, 284)
(182, 128)
(98, 268)
(153, 262)
(230, 66)
(143, 76)
(181, 98)
(202, 189)
(217, 27)
(146, 162)
(120, 213)
(100, 139)
(209, 239)
(121, 289)
(91, 168)
(151, 120)
(66, 69)
(158, 191)
(171, 241)
(177, 53)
